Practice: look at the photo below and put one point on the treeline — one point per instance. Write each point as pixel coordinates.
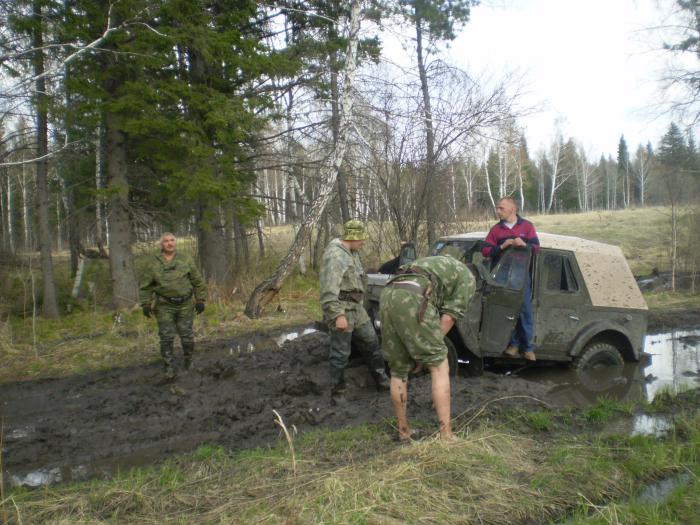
(121, 120)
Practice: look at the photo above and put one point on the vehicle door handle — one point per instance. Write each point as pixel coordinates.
(574, 318)
(510, 317)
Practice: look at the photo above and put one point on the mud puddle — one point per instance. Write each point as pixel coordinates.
(671, 363)
(63, 429)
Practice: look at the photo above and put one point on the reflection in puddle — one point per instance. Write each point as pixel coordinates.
(675, 362)
(280, 340)
(658, 491)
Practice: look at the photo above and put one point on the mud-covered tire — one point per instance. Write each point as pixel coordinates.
(598, 354)
(600, 367)
(452, 356)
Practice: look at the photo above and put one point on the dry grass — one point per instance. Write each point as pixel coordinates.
(488, 476)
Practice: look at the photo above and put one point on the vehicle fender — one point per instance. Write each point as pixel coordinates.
(591, 331)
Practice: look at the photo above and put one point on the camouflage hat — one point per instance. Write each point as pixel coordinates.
(354, 230)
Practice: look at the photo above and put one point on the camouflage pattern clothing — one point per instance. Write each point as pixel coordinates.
(343, 283)
(407, 339)
(172, 284)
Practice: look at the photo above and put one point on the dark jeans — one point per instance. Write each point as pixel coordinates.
(524, 334)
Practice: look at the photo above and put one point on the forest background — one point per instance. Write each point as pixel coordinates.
(223, 120)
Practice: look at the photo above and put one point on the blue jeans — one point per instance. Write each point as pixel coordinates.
(524, 334)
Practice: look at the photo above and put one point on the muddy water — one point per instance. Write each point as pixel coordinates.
(671, 363)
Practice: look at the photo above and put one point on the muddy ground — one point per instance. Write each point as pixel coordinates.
(83, 426)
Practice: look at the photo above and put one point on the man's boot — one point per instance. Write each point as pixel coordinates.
(187, 351)
(337, 386)
(166, 352)
(381, 379)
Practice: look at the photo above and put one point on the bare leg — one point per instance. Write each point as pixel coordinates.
(440, 380)
(399, 398)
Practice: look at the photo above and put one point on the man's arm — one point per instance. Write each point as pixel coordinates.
(146, 286)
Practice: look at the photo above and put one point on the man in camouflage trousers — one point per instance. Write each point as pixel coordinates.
(418, 308)
(343, 283)
(172, 279)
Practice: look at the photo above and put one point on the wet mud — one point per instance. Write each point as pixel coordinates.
(73, 428)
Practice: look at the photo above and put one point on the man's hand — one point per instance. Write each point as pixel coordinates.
(341, 323)
(147, 310)
(199, 307)
(519, 243)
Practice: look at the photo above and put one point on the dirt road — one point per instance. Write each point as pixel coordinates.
(82, 426)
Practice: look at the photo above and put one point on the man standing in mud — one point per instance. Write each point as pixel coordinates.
(418, 308)
(172, 279)
(343, 283)
(514, 232)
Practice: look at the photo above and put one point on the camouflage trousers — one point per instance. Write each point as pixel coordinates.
(365, 339)
(173, 320)
(405, 340)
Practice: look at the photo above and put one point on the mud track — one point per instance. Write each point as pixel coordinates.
(89, 425)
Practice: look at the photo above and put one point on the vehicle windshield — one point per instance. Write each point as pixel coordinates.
(462, 250)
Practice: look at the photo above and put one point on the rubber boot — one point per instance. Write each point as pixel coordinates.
(166, 352)
(187, 351)
(381, 379)
(337, 386)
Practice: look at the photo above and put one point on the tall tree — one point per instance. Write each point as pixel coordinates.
(432, 21)
(623, 168)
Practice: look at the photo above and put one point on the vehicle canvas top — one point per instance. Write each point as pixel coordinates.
(607, 275)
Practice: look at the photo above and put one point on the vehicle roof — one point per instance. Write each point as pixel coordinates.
(604, 268)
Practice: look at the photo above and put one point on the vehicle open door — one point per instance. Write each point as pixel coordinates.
(503, 299)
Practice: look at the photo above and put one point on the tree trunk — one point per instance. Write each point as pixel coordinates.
(121, 261)
(212, 243)
(50, 303)
(335, 126)
(268, 289)
(427, 196)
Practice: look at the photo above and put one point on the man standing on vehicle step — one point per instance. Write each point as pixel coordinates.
(343, 283)
(172, 279)
(418, 308)
(514, 232)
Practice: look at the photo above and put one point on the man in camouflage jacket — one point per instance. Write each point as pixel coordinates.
(343, 283)
(171, 280)
(418, 308)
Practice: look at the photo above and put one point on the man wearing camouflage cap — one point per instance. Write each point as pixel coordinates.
(418, 308)
(343, 283)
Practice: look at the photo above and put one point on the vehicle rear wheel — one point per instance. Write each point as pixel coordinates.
(451, 356)
(600, 366)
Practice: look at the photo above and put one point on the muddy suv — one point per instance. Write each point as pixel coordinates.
(586, 304)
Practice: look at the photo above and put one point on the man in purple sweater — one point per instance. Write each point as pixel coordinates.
(514, 232)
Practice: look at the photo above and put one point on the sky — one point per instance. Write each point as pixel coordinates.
(590, 65)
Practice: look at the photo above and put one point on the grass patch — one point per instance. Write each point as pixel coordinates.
(358, 475)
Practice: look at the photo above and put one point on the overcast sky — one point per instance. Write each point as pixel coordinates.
(590, 63)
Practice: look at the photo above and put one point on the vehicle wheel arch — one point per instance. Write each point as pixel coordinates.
(604, 333)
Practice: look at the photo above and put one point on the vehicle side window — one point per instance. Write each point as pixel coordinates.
(558, 274)
(512, 269)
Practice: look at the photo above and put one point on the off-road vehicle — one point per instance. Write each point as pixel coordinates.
(586, 304)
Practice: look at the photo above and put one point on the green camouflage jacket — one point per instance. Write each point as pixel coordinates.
(176, 278)
(341, 270)
(454, 283)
